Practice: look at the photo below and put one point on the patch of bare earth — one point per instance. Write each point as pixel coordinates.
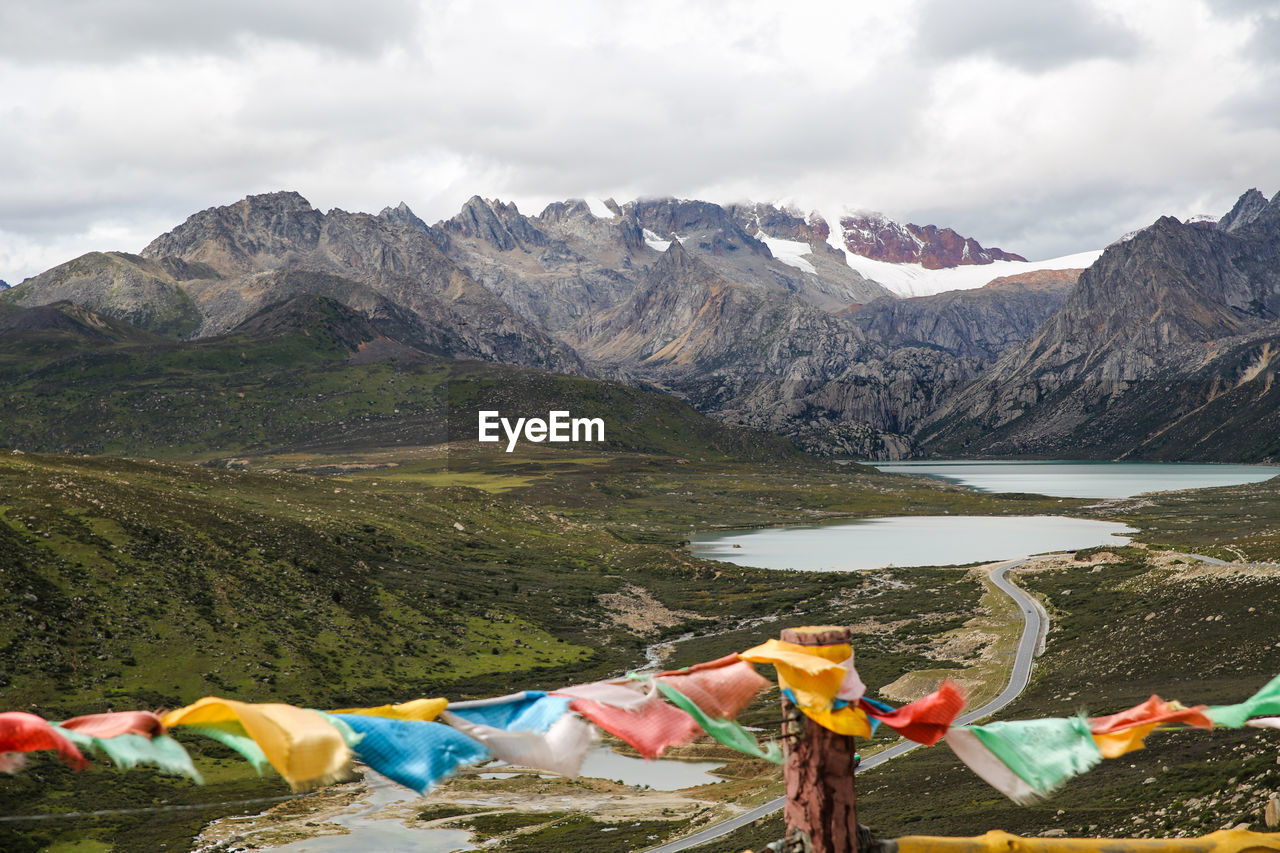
(635, 609)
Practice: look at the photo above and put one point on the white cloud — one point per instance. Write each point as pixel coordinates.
(135, 112)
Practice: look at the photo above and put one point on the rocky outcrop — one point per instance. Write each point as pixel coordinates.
(875, 236)
(128, 287)
(980, 324)
(1151, 313)
(496, 223)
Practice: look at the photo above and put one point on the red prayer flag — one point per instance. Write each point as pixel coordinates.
(721, 688)
(925, 720)
(651, 729)
(23, 732)
(115, 724)
(1154, 710)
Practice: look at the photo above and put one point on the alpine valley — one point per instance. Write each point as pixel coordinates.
(243, 462)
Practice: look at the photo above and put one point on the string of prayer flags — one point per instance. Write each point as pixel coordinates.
(727, 732)
(926, 720)
(1265, 701)
(422, 710)
(21, 732)
(1126, 731)
(303, 747)
(413, 753)
(650, 728)
(1026, 759)
(561, 749)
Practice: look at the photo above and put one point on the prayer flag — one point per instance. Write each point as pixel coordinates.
(22, 732)
(529, 711)
(1126, 731)
(416, 709)
(927, 719)
(414, 753)
(721, 688)
(561, 749)
(304, 747)
(618, 694)
(130, 750)
(816, 675)
(117, 723)
(727, 732)
(651, 728)
(1265, 701)
(1043, 754)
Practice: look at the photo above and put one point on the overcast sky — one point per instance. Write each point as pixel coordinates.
(1044, 128)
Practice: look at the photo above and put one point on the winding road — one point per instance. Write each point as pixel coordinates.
(1034, 624)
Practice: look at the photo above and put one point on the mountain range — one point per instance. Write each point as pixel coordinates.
(761, 316)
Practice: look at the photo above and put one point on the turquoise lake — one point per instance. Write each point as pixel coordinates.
(1083, 479)
(950, 539)
(918, 540)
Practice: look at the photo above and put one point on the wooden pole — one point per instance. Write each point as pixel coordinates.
(819, 768)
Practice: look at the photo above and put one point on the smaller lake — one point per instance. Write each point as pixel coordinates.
(920, 540)
(1083, 479)
(662, 774)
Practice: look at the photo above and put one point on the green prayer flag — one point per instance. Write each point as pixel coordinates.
(727, 732)
(130, 750)
(1043, 753)
(349, 735)
(232, 735)
(1265, 701)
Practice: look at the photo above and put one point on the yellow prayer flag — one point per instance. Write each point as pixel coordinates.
(1116, 744)
(813, 673)
(301, 744)
(849, 720)
(421, 710)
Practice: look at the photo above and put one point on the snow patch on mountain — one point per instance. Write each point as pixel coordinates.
(653, 241)
(599, 209)
(789, 252)
(909, 280)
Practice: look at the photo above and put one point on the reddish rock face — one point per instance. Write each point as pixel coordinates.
(873, 236)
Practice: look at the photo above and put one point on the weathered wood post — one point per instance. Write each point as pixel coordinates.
(819, 766)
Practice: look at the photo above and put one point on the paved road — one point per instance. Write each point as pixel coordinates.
(1034, 624)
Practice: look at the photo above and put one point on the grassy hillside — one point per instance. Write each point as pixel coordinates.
(311, 375)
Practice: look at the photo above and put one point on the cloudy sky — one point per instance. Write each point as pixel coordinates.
(1045, 128)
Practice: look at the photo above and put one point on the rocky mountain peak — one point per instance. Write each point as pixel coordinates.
(1246, 210)
(876, 236)
(227, 238)
(674, 259)
(401, 215)
(495, 222)
(561, 211)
